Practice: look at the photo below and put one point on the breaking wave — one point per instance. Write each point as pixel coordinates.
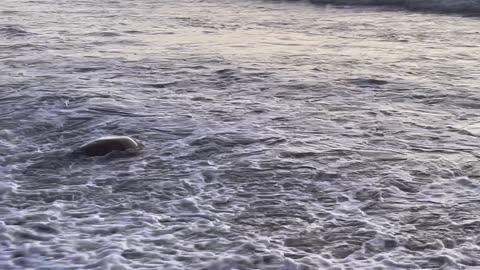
(465, 7)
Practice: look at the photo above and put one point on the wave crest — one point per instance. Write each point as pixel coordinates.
(465, 7)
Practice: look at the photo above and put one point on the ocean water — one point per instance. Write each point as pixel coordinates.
(277, 134)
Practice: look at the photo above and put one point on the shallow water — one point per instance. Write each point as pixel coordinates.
(278, 135)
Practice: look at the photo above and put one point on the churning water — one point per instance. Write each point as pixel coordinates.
(277, 135)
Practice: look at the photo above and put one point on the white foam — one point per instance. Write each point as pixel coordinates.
(309, 138)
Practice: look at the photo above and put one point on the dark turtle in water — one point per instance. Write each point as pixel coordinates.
(110, 144)
(111, 147)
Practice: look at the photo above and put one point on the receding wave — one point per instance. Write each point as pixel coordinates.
(465, 7)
